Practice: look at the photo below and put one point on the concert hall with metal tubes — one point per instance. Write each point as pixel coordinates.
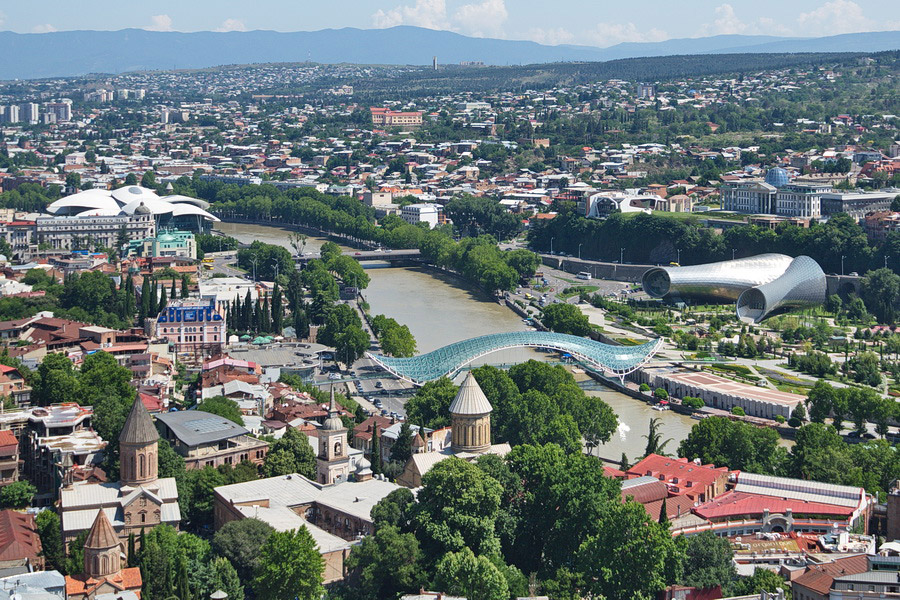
(760, 285)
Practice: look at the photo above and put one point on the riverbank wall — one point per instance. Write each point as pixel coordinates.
(598, 270)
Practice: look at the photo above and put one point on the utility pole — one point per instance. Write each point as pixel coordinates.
(579, 252)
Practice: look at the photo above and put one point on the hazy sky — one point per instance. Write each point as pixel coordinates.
(591, 22)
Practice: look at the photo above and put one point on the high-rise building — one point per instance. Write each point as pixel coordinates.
(646, 90)
(12, 114)
(30, 112)
(62, 110)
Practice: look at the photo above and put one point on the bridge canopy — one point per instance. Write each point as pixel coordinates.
(447, 361)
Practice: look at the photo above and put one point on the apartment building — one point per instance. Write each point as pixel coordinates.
(385, 117)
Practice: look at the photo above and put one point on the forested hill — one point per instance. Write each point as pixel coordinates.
(71, 53)
(520, 78)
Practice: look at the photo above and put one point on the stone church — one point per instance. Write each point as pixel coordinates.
(470, 435)
(103, 566)
(140, 500)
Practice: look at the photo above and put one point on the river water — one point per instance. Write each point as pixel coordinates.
(440, 309)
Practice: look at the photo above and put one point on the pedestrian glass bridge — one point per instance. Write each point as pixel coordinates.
(447, 361)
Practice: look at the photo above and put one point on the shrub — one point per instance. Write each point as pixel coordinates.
(695, 403)
(644, 387)
(780, 419)
(661, 394)
(737, 410)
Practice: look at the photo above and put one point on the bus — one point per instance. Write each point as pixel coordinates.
(207, 261)
(584, 275)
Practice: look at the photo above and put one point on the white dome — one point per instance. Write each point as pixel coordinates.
(155, 205)
(179, 199)
(93, 199)
(130, 193)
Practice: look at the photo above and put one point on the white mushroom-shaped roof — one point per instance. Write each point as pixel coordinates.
(130, 193)
(179, 210)
(100, 212)
(93, 199)
(470, 399)
(155, 206)
(179, 199)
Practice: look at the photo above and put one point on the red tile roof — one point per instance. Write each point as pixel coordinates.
(18, 537)
(819, 578)
(741, 503)
(680, 473)
(82, 585)
(8, 438)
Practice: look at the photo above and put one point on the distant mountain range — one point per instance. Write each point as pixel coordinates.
(70, 53)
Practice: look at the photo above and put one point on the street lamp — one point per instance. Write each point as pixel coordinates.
(253, 260)
(678, 260)
(579, 253)
(842, 264)
(621, 256)
(732, 254)
(551, 244)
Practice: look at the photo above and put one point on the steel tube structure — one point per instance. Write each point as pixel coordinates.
(725, 280)
(802, 284)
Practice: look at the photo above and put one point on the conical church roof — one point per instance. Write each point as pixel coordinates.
(138, 428)
(470, 400)
(102, 534)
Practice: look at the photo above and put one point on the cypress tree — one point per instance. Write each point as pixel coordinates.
(173, 294)
(132, 557)
(145, 301)
(129, 298)
(162, 299)
(277, 310)
(256, 317)
(623, 463)
(301, 324)
(154, 300)
(181, 581)
(265, 317)
(184, 287)
(663, 515)
(247, 316)
(376, 451)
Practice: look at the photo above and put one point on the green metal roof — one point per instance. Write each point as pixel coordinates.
(447, 361)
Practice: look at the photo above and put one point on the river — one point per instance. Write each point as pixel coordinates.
(440, 309)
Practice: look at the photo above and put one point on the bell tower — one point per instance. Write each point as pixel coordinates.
(138, 448)
(333, 460)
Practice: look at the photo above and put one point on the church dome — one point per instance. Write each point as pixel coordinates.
(138, 428)
(333, 423)
(470, 400)
(777, 177)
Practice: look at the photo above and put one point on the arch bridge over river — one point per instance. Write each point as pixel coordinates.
(618, 361)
